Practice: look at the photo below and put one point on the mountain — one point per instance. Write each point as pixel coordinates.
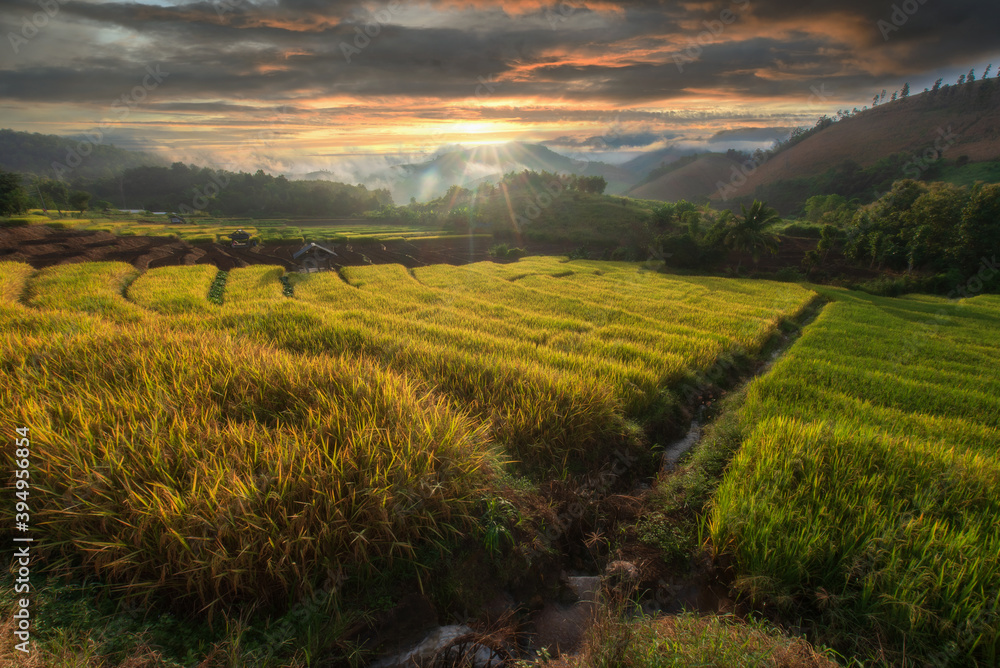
(471, 166)
(34, 153)
(902, 139)
(644, 163)
(692, 178)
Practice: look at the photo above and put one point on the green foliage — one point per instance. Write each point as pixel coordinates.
(14, 198)
(751, 234)
(588, 184)
(936, 227)
(53, 194)
(188, 189)
(217, 290)
(506, 252)
(78, 200)
(833, 210)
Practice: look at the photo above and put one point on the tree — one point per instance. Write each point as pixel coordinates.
(979, 231)
(961, 79)
(13, 197)
(893, 98)
(826, 240)
(906, 90)
(54, 193)
(972, 76)
(986, 72)
(937, 85)
(79, 199)
(749, 234)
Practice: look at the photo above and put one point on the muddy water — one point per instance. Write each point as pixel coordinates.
(680, 447)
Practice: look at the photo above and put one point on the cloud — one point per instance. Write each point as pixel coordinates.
(384, 74)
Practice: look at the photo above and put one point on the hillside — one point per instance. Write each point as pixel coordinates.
(34, 153)
(691, 181)
(646, 162)
(957, 120)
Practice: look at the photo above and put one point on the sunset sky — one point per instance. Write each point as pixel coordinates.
(298, 84)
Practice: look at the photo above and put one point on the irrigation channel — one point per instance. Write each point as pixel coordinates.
(552, 615)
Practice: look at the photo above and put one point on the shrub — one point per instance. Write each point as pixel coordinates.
(506, 252)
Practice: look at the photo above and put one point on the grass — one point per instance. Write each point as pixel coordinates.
(13, 281)
(690, 641)
(220, 442)
(970, 173)
(866, 491)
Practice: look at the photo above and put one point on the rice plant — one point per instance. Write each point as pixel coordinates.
(867, 490)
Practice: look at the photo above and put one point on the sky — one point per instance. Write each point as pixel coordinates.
(300, 85)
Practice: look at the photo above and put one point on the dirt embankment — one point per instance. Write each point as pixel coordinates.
(42, 246)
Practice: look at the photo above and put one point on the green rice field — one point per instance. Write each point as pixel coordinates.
(866, 492)
(273, 232)
(183, 437)
(217, 440)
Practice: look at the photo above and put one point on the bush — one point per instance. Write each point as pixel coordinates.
(789, 275)
(505, 252)
(680, 250)
(802, 230)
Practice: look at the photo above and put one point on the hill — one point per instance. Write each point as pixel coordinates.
(472, 166)
(646, 162)
(953, 122)
(34, 153)
(690, 179)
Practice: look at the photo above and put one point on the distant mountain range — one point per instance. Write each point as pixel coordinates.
(469, 167)
(34, 153)
(958, 121)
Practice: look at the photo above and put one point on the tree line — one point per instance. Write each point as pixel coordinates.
(188, 189)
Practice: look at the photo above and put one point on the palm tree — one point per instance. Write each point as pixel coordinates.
(749, 234)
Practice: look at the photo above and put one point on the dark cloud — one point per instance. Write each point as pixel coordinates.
(237, 60)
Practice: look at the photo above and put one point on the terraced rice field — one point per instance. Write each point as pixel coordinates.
(274, 232)
(244, 450)
(867, 490)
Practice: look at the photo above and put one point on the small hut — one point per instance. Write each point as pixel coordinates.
(241, 239)
(313, 257)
